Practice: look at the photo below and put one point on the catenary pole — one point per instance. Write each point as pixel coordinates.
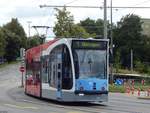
(105, 19)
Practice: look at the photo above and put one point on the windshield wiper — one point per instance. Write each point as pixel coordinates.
(90, 63)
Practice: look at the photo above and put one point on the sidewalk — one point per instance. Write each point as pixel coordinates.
(143, 95)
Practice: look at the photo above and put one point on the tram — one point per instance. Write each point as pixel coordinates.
(68, 70)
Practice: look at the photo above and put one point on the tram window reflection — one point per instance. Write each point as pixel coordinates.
(33, 71)
(45, 69)
(67, 78)
(90, 63)
(60, 61)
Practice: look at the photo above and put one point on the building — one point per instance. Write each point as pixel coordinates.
(146, 26)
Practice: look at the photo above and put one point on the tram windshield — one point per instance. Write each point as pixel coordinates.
(90, 59)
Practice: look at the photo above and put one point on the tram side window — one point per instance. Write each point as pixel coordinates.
(52, 75)
(28, 69)
(55, 63)
(45, 69)
(33, 71)
(67, 77)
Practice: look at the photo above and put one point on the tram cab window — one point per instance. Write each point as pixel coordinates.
(67, 78)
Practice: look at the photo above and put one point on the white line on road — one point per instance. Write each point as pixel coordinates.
(80, 112)
(20, 107)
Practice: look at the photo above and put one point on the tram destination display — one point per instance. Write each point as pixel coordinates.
(86, 44)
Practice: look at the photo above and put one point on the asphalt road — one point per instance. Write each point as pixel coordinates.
(13, 99)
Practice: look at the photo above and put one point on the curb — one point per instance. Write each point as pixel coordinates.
(145, 98)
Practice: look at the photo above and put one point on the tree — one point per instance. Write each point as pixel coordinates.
(79, 31)
(15, 27)
(94, 27)
(12, 45)
(64, 24)
(65, 27)
(34, 41)
(89, 25)
(2, 43)
(15, 38)
(128, 36)
(117, 64)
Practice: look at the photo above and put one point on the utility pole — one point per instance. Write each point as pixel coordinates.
(131, 60)
(105, 19)
(111, 46)
(111, 35)
(29, 22)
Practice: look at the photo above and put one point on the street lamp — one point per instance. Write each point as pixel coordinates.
(105, 19)
(29, 22)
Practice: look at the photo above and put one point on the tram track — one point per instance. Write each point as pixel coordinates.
(112, 106)
(129, 101)
(88, 107)
(16, 96)
(115, 105)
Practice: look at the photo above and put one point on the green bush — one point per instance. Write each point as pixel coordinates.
(139, 66)
(116, 88)
(142, 68)
(122, 89)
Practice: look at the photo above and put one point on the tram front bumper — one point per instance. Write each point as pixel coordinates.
(83, 97)
(90, 92)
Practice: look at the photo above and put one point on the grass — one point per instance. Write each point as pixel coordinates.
(122, 88)
(116, 89)
(127, 71)
(143, 88)
(8, 63)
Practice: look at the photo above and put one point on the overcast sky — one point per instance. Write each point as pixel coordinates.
(29, 10)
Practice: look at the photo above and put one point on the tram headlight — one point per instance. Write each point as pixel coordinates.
(81, 88)
(103, 88)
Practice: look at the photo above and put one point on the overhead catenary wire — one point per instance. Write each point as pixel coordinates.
(132, 9)
(143, 2)
(101, 7)
(70, 2)
(48, 20)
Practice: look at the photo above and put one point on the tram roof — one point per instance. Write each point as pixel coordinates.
(35, 52)
(88, 39)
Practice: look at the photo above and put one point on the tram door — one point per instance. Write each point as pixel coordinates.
(59, 75)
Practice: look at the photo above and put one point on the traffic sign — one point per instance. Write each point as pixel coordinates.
(22, 69)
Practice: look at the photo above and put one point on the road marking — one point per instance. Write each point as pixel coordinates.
(75, 112)
(20, 107)
(80, 112)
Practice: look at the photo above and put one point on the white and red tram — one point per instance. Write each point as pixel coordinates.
(68, 70)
